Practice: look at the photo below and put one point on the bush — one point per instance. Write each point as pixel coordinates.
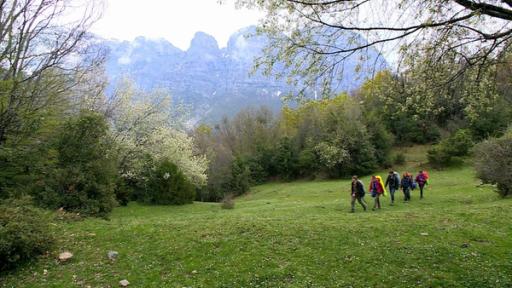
(363, 159)
(307, 162)
(24, 233)
(240, 177)
(24, 166)
(84, 178)
(399, 159)
(451, 150)
(228, 202)
(286, 159)
(493, 163)
(381, 139)
(167, 185)
(408, 130)
(123, 191)
(492, 122)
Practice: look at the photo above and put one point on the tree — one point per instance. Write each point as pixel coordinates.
(167, 185)
(286, 159)
(313, 38)
(145, 123)
(493, 163)
(38, 50)
(84, 178)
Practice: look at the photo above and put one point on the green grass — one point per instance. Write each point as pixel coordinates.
(296, 234)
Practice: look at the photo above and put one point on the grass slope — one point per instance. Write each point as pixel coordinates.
(293, 235)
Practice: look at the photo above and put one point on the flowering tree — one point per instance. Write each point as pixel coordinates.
(143, 124)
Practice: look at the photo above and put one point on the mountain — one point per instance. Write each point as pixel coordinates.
(214, 82)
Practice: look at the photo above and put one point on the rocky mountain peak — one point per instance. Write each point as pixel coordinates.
(214, 82)
(203, 43)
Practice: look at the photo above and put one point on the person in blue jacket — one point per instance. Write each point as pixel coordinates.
(406, 185)
(393, 183)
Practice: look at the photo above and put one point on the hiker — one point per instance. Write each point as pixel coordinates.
(377, 189)
(421, 179)
(357, 194)
(406, 185)
(393, 183)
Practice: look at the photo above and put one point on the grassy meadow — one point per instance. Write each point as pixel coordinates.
(297, 234)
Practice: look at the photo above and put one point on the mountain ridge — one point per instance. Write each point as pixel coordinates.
(213, 81)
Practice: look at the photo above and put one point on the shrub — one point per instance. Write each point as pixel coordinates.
(228, 202)
(381, 139)
(492, 122)
(286, 159)
(123, 192)
(307, 162)
(24, 233)
(399, 159)
(24, 166)
(210, 193)
(360, 150)
(493, 163)
(84, 179)
(240, 177)
(438, 157)
(408, 130)
(451, 150)
(167, 185)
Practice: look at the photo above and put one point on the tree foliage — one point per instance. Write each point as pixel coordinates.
(493, 163)
(327, 138)
(145, 123)
(166, 185)
(313, 38)
(44, 52)
(84, 176)
(451, 150)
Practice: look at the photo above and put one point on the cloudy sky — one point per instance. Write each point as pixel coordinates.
(176, 21)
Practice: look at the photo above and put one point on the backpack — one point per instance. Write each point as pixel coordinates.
(397, 180)
(425, 175)
(362, 192)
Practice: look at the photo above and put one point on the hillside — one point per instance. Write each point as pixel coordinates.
(214, 81)
(296, 234)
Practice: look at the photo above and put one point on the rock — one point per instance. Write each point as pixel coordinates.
(424, 234)
(112, 255)
(194, 272)
(45, 272)
(65, 256)
(124, 283)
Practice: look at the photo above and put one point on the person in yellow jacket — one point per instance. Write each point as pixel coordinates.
(377, 189)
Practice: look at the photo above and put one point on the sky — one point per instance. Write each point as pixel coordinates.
(174, 20)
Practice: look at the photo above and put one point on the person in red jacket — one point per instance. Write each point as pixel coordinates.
(376, 189)
(421, 179)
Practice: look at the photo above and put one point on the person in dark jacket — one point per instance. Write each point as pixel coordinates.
(357, 193)
(393, 183)
(406, 185)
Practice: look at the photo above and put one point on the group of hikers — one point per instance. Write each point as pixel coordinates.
(393, 182)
